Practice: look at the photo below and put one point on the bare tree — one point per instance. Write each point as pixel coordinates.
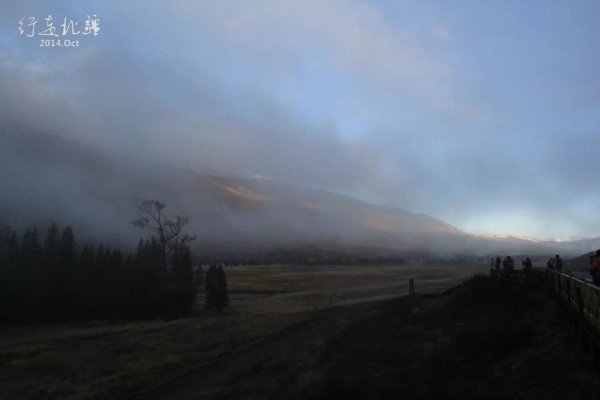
(170, 231)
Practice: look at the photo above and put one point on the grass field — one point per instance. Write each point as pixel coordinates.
(288, 289)
(269, 339)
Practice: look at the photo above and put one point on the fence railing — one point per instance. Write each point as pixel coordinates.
(581, 296)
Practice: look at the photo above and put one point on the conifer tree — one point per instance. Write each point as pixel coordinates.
(5, 235)
(210, 287)
(31, 250)
(222, 293)
(14, 251)
(216, 288)
(51, 246)
(182, 278)
(66, 264)
(55, 282)
(28, 280)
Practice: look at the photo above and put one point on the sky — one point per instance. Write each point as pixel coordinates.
(483, 114)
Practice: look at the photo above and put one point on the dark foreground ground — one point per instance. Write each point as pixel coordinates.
(484, 340)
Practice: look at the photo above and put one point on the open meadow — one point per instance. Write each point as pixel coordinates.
(280, 322)
(289, 289)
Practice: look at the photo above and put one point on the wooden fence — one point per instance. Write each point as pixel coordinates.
(582, 301)
(582, 297)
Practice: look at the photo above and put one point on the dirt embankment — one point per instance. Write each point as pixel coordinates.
(485, 340)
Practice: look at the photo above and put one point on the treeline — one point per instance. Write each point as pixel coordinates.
(54, 279)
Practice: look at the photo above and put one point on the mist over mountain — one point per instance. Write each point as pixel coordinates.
(408, 105)
(50, 178)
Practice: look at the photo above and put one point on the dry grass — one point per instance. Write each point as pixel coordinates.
(293, 289)
(269, 339)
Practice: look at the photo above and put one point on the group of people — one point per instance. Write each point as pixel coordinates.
(557, 264)
(508, 264)
(554, 263)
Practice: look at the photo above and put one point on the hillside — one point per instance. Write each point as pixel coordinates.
(582, 262)
(50, 178)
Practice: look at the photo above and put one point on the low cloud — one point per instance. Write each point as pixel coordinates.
(321, 94)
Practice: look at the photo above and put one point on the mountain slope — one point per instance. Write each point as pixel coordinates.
(49, 178)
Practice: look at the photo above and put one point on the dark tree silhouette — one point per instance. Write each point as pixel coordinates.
(216, 288)
(222, 293)
(66, 267)
(29, 280)
(14, 251)
(172, 276)
(31, 250)
(169, 231)
(57, 282)
(51, 246)
(210, 287)
(182, 280)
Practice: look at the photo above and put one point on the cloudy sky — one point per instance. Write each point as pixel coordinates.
(484, 114)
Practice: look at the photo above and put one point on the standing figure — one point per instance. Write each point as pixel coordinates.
(528, 268)
(506, 264)
(558, 263)
(498, 262)
(511, 262)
